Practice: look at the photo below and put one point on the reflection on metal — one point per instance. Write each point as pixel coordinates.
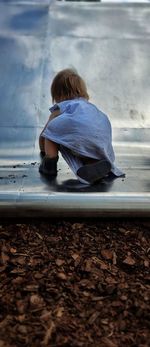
(82, 0)
(112, 53)
(109, 1)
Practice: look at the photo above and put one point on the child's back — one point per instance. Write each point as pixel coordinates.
(79, 130)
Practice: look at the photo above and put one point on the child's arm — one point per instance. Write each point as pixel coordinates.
(41, 138)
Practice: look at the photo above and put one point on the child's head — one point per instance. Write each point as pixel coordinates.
(68, 85)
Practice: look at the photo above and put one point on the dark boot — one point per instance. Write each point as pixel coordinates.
(94, 172)
(49, 166)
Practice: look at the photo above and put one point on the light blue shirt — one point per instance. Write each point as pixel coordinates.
(81, 130)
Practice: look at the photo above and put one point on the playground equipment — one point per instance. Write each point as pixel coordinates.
(109, 45)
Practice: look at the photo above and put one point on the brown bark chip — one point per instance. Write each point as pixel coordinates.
(75, 283)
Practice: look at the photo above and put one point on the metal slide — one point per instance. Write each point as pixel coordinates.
(109, 45)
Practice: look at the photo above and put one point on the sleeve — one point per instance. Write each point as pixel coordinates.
(54, 108)
(62, 106)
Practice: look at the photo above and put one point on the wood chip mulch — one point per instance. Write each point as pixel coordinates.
(75, 283)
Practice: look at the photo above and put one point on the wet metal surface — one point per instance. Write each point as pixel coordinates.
(109, 45)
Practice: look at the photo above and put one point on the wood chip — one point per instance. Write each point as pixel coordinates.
(36, 300)
(75, 256)
(93, 317)
(48, 334)
(62, 276)
(108, 342)
(146, 263)
(129, 261)
(107, 254)
(60, 262)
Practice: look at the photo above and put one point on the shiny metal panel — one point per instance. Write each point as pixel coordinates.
(109, 44)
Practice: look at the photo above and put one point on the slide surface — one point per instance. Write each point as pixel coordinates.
(109, 45)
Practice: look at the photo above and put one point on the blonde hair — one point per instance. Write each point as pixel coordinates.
(67, 85)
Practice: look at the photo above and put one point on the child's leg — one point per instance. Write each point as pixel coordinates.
(93, 172)
(49, 162)
(87, 170)
(51, 149)
(86, 160)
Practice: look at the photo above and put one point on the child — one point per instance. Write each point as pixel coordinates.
(79, 130)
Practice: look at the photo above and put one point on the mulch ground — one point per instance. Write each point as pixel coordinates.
(75, 283)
